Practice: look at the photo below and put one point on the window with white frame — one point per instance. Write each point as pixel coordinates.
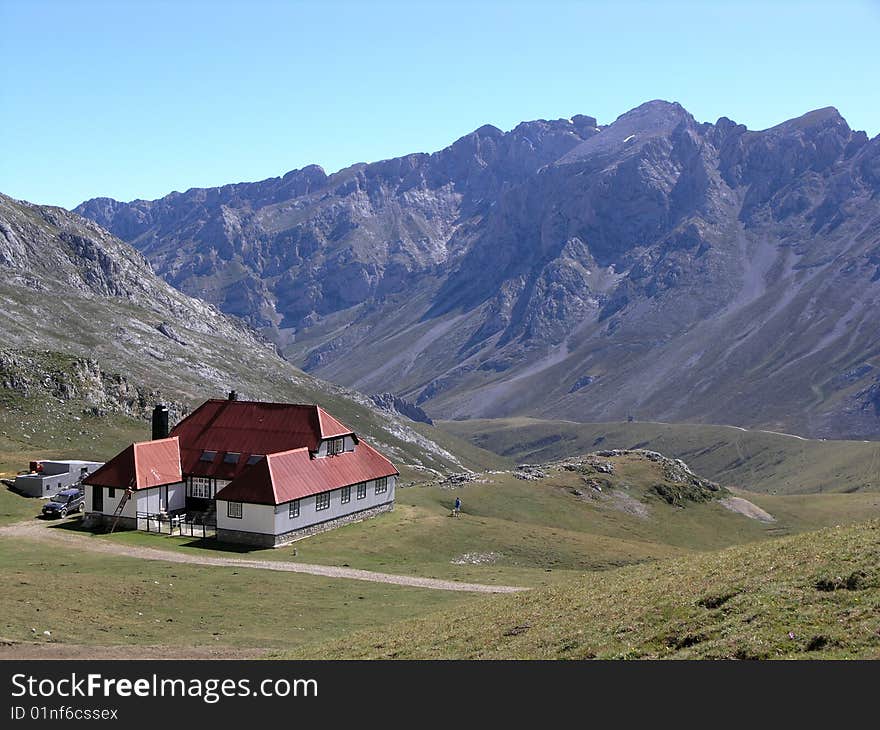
(334, 446)
(322, 501)
(345, 493)
(362, 490)
(233, 509)
(200, 488)
(382, 485)
(293, 510)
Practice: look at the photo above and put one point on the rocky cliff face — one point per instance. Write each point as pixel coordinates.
(85, 319)
(656, 267)
(391, 403)
(40, 374)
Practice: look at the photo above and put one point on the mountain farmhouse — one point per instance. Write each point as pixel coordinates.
(254, 473)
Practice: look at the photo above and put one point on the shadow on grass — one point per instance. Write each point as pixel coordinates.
(10, 487)
(211, 543)
(201, 543)
(75, 524)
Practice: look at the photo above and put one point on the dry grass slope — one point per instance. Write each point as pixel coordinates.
(815, 595)
(759, 461)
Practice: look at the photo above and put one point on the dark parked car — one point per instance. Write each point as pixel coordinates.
(64, 503)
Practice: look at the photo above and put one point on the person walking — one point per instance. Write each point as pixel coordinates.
(457, 509)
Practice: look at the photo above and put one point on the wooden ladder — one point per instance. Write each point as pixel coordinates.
(121, 506)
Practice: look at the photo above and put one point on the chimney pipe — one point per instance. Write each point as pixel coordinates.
(160, 421)
(233, 395)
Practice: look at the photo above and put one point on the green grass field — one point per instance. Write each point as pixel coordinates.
(88, 599)
(512, 531)
(815, 595)
(539, 534)
(755, 460)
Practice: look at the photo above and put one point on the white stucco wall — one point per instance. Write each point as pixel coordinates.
(270, 520)
(143, 500)
(177, 496)
(38, 485)
(254, 518)
(308, 515)
(149, 500)
(110, 503)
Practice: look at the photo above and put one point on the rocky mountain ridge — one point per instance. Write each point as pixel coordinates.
(85, 319)
(657, 268)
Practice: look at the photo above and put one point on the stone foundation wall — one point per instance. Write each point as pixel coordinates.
(94, 520)
(261, 540)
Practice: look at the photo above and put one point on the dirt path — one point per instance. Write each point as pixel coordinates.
(38, 530)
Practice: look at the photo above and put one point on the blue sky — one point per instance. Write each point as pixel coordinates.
(133, 99)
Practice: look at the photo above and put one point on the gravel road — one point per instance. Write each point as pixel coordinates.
(40, 530)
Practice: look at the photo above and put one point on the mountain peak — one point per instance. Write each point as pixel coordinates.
(656, 106)
(315, 170)
(652, 119)
(488, 130)
(827, 116)
(656, 114)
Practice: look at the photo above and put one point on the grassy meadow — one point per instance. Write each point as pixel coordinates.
(619, 558)
(511, 531)
(90, 599)
(814, 595)
(759, 461)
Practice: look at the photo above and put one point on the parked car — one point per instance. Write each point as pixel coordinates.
(64, 503)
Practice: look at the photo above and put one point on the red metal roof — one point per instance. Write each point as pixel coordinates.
(141, 466)
(249, 428)
(329, 426)
(294, 474)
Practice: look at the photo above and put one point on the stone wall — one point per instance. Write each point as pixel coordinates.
(262, 540)
(96, 520)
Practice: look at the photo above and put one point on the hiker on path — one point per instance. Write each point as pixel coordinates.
(457, 509)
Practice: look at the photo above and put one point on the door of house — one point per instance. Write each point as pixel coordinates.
(97, 499)
(163, 499)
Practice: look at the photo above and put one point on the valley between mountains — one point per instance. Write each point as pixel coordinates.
(656, 267)
(644, 354)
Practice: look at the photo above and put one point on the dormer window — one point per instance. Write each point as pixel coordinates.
(208, 456)
(254, 458)
(231, 457)
(335, 446)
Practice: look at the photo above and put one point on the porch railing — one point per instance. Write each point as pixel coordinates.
(176, 524)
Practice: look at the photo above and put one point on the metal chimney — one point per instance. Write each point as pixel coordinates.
(160, 421)
(233, 395)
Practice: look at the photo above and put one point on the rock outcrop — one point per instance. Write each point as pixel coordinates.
(395, 404)
(33, 374)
